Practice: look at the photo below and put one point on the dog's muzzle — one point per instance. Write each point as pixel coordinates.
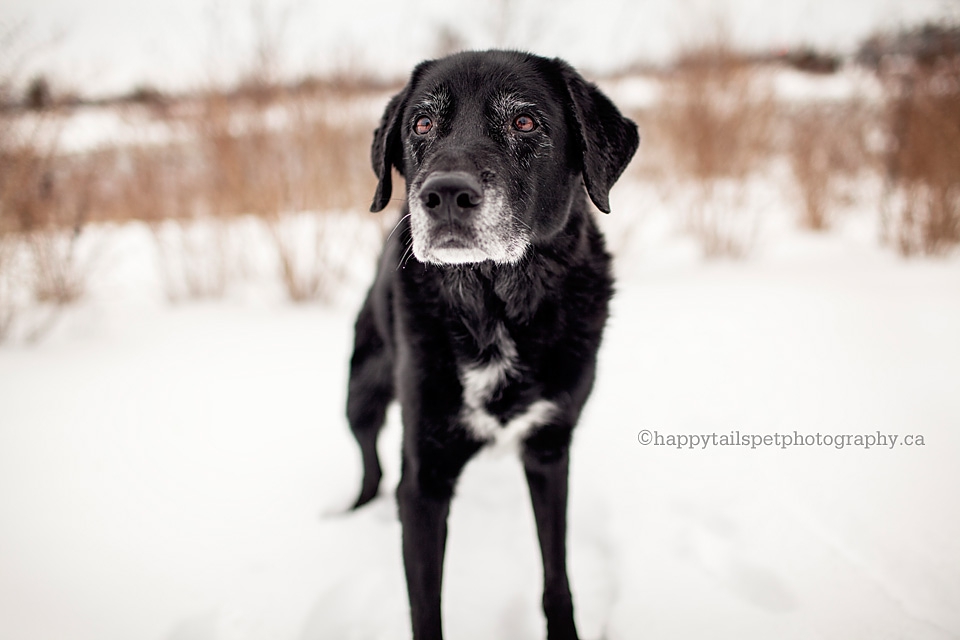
(456, 219)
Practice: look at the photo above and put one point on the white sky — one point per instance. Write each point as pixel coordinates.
(103, 46)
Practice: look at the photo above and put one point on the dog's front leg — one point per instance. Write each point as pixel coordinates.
(424, 522)
(546, 465)
(423, 496)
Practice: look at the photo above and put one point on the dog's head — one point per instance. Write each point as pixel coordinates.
(494, 147)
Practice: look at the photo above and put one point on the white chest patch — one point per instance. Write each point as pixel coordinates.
(481, 382)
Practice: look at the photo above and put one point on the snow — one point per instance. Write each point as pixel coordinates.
(180, 472)
(850, 83)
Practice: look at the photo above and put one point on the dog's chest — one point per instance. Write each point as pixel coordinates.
(483, 382)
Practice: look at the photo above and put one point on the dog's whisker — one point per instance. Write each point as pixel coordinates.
(520, 221)
(407, 254)
(403, 257)
(397, 226)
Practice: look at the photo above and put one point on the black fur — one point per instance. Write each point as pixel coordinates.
(497, 265)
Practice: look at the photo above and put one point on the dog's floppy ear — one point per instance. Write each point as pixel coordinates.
(607, 139)
(387, 149)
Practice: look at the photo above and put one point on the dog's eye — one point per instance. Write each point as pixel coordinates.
(524, 123)
(423, 125)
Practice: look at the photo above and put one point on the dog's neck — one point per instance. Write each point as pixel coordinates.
(489, 294)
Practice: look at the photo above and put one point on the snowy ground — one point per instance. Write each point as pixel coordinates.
(174, 472)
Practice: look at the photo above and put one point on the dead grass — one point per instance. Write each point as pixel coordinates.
(294, 159)
(45, 201)
(8, 286)
(827, 147)
(258, 149)
(281, 154)
(58, 276)
(717, 114)
(811, 160)
(715, 122)
(723, 219)
(197, 259)
(922, 199)
(315, 252)
(224, 155)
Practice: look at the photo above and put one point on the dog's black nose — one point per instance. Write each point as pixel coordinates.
(451, 192)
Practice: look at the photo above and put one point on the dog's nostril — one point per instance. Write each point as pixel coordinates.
(465, 201)
(432, 201)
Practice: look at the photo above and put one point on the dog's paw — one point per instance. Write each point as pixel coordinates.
(345, 504)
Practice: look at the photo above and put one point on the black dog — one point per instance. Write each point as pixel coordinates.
(491, 295)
